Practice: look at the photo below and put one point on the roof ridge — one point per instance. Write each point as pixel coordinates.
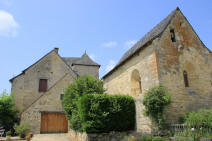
(55, 49)
(155, 32)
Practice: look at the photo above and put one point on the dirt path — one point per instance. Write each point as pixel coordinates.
(50, 137)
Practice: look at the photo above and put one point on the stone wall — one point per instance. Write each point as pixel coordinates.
(25, 87)
(87, 70)
(112, 136)
(162, 62)
(187, 53)
(49, 102)
(120, 81)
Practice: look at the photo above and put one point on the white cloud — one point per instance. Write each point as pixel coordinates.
(110, 65)
(110, 44)
(129, 44)
(92, 56)
(8, 25)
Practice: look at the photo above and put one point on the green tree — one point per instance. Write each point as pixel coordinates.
(8, 114)
(83, 85)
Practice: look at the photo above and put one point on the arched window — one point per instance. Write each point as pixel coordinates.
(136, 87)
(185, 75)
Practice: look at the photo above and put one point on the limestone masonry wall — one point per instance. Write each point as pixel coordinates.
(186, 54)
(50, 101)
(112, 136)
(25, 87)
(120, 81)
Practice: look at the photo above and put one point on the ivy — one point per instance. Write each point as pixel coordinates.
(156, 100)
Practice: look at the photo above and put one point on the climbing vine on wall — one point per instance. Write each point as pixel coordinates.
(156, 100)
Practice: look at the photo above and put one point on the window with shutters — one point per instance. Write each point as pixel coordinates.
(42, 85)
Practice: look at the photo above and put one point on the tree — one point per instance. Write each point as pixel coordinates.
(8, 114)
(83, 85)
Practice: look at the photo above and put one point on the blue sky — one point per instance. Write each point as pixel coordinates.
(104, 28)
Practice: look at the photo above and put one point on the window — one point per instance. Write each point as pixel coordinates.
(185, 75)
(61, 96)
(172, 34)
(42, 85)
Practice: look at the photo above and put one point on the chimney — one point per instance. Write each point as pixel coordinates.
(56, 49)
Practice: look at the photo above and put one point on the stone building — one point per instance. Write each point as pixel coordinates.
(38, 90)
(172, 55)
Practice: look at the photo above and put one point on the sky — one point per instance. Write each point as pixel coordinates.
(106, 29)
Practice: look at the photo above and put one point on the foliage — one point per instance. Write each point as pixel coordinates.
(199, 124)
(8, 114)
(156, 100)
(201, 118)
(158, 138)
(104, 113)
(178, 138)
(146, 138)
(131, 138)
(8, 133)
(22, 130)
(28, 137)
(82, 86)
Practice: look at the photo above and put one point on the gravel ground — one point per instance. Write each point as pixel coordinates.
(50, 137)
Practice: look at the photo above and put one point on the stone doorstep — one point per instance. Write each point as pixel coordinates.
(12, 139)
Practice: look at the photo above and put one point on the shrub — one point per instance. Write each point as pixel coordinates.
(8, 133)
(199, 124)
(82, 86)
(156, 100)
(104, 113)
(201, 118)
(8, 114)
(22, 130)
(146, 138)
(158, 138)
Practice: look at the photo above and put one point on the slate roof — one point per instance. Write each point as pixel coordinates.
(84, 60)
(151, 35)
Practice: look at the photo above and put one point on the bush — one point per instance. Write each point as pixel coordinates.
(199, 124)
(156, 100)
(22, 130)
(8, 114)
(82, 86)
(8, 133)
(158, 138)
(104, 113)
(146, 138)
(201, 118)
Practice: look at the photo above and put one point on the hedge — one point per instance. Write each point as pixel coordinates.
(105, 113)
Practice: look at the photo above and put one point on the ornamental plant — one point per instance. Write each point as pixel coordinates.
(156, 100)
(22, 130)
(104, 113)
(83, 85)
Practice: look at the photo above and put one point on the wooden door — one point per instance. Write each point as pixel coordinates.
(54, 123)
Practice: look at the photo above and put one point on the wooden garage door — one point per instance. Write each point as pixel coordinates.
(53, 123)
